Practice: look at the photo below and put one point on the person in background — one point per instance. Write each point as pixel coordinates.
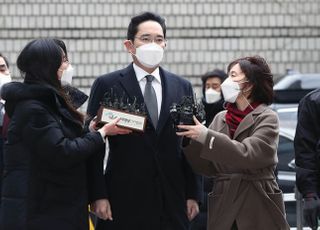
(212, 97)
(307, 153)
(148, 183)
(239, 149)
(5, 77)
(213, 103)
(44, 183)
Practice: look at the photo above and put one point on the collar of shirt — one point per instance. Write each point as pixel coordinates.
(140, 73)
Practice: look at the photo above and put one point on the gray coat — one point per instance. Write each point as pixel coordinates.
(245, 189)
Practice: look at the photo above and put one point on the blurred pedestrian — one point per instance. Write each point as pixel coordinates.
(148, 183)
(44, 184)
(5, 77)
(307, 155)
(213, 103)
(239, 149)
(212, 97)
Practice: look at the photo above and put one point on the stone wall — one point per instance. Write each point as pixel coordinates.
(202, 34)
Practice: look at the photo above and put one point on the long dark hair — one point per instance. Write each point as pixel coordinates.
(39, 62)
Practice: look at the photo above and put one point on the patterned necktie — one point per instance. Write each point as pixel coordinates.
(150, 99)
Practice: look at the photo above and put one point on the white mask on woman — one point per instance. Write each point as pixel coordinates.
(149, 55)
(230, 90)
(67, 75)
(212, 96)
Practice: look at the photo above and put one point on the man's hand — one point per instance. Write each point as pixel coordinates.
(192, 209)
(102, 209)
(311, 211)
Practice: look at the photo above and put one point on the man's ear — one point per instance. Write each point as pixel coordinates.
(129, 46)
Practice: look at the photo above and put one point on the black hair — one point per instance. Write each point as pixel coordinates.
(62, 45)
(258, 73)
(39, 62)
(211, 74)
(5, 60)
(143, 17)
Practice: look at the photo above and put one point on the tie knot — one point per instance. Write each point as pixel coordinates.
(149, 78)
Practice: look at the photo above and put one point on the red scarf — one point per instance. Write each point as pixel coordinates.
(234, 116)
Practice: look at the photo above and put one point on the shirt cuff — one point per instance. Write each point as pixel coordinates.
(102, 134)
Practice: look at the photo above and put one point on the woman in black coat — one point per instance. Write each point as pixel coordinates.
(45, 178)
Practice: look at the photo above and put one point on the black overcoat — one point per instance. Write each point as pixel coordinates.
(45, 180)
(307, 144)
(147, 175)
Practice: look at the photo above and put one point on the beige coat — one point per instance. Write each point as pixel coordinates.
(245, 189)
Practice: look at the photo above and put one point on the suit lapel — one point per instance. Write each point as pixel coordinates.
(129, 82)
(167, 99)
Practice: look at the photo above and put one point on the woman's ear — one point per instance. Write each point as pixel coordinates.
(247, 87)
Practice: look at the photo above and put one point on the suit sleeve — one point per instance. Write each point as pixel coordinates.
(307, 146)
(96, 183)
(96, 95)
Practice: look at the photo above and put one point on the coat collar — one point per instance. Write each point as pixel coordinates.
(45, 94)
(129, 82)
(247, 121)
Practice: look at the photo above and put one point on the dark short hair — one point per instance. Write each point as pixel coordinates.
(211, 74)
(258, 73)
(5, 60)
(143, 17)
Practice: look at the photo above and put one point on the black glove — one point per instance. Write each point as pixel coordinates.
(311, 211)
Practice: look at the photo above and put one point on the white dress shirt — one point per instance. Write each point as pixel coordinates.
(156, 83)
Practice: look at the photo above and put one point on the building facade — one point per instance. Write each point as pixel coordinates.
(202, 34)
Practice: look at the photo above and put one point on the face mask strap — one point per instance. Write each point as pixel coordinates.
(244, 91)
(247, 102)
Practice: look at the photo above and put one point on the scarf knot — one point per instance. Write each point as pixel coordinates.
(234, 116)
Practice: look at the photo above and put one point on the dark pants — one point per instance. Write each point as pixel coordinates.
(234, 226)
(1, 164)
(166, 224)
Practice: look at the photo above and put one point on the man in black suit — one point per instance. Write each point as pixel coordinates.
(148, 184)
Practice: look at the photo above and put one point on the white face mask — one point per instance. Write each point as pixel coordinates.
(230, 90)
(4, 78)
(212, 96)
(67, 75)
(149, 55)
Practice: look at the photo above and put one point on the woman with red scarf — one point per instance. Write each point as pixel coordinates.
(239, 150)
